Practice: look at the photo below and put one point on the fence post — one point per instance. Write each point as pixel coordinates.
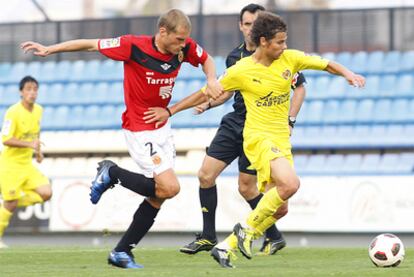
(315, 40)
(391, 29)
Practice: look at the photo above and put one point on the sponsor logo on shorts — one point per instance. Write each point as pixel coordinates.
(156, 159)
(110, 43)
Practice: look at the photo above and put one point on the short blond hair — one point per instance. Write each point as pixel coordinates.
(172, 19)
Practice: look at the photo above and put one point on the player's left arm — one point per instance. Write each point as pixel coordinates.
(353, 79)
(214, 88)
(299, 94)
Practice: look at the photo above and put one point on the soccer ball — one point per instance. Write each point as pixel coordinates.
(386, 250)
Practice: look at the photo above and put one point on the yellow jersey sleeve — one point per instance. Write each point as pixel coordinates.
(305, 61)
(229, 80)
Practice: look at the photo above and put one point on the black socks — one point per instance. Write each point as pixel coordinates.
(208, 201)
(143, 219)
(133, 181)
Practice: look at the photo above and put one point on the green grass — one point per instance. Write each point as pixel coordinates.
(87, 261)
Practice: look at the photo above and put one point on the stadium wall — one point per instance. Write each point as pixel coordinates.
(323, 204)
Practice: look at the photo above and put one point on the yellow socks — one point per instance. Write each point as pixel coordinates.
(29, 198)
(230, 243)
(267, 206)
(5, 216)
(262, 227)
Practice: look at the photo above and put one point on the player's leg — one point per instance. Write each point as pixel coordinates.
(273, 240)
(143, 220)
(11, 182)
(156, 160)
(221, 152)
(209, 171)
(36, 189)
(287, 183)
(143, 148)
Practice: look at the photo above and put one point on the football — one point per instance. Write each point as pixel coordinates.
(386, 250)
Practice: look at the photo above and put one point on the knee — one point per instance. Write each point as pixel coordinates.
(10, 205)
(248, 190)
(293, 185)
(167, 191)
(46, 194)
(205, 178)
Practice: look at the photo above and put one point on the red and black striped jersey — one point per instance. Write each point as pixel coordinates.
(149, 75)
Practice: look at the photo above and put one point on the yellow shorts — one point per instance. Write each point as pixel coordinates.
(260, 151)
(14, 180)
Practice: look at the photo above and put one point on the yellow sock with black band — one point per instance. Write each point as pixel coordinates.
(267, 206)
(29, 198)
(5, 216)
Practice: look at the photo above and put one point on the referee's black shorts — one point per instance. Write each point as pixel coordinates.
(227, 144)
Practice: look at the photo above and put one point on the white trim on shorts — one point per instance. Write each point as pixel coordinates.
(153, 150)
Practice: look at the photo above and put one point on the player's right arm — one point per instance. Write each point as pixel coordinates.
(213, 103)
(14, 142)
(67, 46)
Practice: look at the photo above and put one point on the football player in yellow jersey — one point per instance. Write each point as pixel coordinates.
(21, 183)
(264, 80)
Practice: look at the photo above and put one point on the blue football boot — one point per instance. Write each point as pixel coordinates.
(102, 181)
(123, 260)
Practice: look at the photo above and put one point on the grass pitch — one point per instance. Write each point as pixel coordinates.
(90, 261)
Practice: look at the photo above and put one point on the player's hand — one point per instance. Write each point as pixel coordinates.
(199, 109)
(39, 157)
(37, 48)
(356, 80)
(157, 115)
(36, 144)
(214, 89)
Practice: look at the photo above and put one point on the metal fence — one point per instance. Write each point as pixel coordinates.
(312, 31)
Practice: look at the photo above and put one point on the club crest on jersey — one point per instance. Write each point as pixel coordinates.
(275, 150)
(181, 56)
(110, 43)
(165, 66)
(286, 74)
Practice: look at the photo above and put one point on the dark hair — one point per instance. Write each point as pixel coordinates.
(172, 19)
(27, 79)
(251, 8)
(267, 25)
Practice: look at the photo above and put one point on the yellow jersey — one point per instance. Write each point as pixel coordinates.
(23, 125)
(266, 90)
(266, 93)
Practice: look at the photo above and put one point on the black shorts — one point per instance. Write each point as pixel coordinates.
(227, 144)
